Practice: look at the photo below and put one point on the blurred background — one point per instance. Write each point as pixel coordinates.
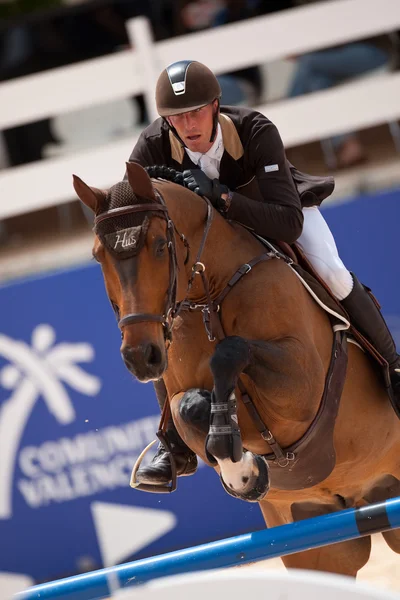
(76, 89)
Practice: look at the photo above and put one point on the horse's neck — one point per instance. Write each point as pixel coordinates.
(225, 248)
(225, 251)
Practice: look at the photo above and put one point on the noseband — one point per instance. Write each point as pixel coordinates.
(172, 308)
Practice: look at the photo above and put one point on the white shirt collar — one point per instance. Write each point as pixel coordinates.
(209, 161)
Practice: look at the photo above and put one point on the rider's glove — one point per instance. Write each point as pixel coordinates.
(197, 181)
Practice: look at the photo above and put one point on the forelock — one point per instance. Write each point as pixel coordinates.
(131, 227)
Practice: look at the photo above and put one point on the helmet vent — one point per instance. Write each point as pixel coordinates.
(179, 88)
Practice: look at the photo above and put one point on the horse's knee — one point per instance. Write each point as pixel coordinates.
(194, 409)
(231, 355)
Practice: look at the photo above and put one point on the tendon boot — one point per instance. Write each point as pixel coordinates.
(158, 471)
(367, 318)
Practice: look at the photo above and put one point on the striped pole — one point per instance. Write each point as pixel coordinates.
(268, 543)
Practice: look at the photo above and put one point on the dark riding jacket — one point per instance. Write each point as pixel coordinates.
(268, 192)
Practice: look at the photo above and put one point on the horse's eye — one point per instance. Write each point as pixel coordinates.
(161, 247)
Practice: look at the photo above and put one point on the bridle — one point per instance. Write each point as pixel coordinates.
(172, 307)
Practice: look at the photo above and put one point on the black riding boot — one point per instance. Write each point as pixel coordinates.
(158, 472)
(368, 319)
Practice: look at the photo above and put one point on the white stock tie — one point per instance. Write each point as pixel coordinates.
(210, 161)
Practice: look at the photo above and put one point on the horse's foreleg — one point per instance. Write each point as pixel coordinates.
(191, 412)
(212, 417)
(243, 474)
(230, 358)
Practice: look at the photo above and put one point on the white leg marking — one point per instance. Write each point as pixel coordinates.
(239, 476)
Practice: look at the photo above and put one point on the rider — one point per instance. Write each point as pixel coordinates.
(223, 149)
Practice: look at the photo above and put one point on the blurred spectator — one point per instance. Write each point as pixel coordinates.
(36, 35)
(201, 14)
(16, 40)
(325, 68)
(16, 48)
(162, 14)
(242, 86)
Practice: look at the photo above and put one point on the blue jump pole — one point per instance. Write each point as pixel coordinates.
(268, 543)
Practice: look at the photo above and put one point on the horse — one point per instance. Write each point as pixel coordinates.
(251, 345)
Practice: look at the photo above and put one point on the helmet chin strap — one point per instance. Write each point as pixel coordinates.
(213, 131)
(174, 131)
(215, 122)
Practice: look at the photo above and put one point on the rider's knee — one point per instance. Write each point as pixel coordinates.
(340, 282)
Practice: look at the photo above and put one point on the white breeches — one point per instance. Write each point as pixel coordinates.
(318, 245)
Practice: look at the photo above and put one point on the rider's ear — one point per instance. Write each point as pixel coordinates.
(92, 197)
(139, 181)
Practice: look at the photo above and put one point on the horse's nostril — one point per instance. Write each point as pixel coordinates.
(128, 355)
(153, 355)
(149, 354)
(146, 361)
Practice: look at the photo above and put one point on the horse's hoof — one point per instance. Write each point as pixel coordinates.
(258, 489)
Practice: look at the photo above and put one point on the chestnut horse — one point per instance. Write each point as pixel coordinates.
(164, 253)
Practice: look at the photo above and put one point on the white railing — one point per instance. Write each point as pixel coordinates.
(359, 104)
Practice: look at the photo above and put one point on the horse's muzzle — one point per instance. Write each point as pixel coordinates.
(146, 361)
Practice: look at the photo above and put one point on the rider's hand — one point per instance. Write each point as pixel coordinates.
(197, 181)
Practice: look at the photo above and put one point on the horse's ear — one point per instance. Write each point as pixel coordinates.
(139, 181)
(92, 197)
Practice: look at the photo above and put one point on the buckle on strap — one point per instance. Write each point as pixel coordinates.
(198, 268)
(221, 430)
(282, 458)
(284, 461)
(219, 408)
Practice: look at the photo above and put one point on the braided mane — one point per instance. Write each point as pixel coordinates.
(164, 172)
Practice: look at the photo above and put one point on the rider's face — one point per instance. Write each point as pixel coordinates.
(195, 127)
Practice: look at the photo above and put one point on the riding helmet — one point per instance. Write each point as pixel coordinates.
(185, 85)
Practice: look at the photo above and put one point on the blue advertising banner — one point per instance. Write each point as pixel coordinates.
(367, 237)
(73, 420)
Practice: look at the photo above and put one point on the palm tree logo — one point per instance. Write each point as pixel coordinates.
(39, 370)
